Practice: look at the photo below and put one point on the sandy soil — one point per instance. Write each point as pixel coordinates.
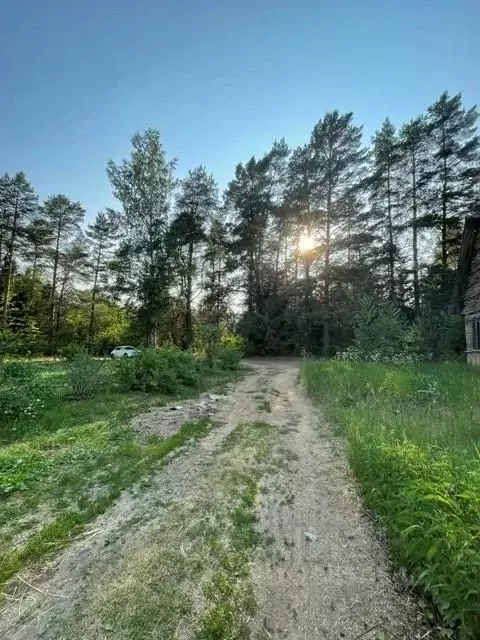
(324, 576)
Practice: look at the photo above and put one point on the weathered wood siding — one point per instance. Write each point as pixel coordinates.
(471, 303)
(473, 357)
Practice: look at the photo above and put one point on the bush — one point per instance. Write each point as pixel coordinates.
(18, 343)
(84, 375)
(379, 328)
(73, 351)
(228, 357)
(219, 346)
(24, 396)
(165, 370)
(209, 336)
(439, 334)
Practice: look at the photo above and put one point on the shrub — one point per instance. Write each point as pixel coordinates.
(219, 346)
(73, 351)
(439, 334)
(164, 370)
(84, 375)
(228, 357)
(209, 336)
(23, 343)
(379, 328)
(24, 396)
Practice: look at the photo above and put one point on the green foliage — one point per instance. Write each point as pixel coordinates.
(362, 211)
(228, 357)
(273, 332)
(208, 339)
(16, 343)
(379, 328)
(438, 334)
(219, 346)
(85, 375)
(143, 184)
(73, 351)
(167, 370)
(413, 434)
(24, 397)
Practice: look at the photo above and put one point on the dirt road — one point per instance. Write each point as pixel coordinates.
(139, 571)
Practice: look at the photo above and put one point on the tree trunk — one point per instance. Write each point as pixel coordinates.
(219, 290)
(277, 257)
(188, 337)
(8, 268)
(326, 301)
(60, 302)
(91, 321)
(251, 283)
(416, 288)
(56, 258)
(391, 255)
(444, 206)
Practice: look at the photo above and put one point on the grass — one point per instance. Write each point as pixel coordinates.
(191, 576)
(413, 433)
(59, 471)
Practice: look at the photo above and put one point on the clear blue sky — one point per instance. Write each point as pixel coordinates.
(220, 79)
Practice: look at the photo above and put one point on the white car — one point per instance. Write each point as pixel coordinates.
(124, 352)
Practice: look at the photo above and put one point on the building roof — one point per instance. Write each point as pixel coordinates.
(471, 226)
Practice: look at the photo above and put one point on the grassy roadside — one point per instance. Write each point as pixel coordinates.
(413, 433)
(73, 462)
(190, 576)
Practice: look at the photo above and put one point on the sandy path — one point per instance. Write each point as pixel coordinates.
(333, 585)
(332, 582)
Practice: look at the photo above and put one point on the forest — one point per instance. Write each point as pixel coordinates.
(303, 246)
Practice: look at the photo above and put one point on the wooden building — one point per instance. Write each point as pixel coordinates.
(466, 295)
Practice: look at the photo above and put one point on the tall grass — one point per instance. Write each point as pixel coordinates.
(413, 433)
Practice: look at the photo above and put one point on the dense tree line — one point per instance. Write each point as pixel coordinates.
(297, 241)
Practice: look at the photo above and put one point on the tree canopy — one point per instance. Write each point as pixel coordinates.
(287, 255)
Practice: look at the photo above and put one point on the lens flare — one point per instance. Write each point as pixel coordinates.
(306, 244)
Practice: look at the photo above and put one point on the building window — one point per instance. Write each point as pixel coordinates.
(476, 334)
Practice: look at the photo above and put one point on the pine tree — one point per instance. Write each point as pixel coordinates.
(62, 217)
(384, 216)
(300, 196)
(196, 203)
(73, 268)
(19, 203)
(454, 170)
(249, 198)
(217, 267)
(38, 237)
(413, 147)
(102, 236)
(337, 159)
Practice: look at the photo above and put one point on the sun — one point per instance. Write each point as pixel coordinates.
(306, 244)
